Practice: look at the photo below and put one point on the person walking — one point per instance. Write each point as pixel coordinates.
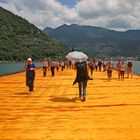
(129, 68)
(30, 74)
(122, 70)
(96, 65)
(104, 66)
(57, 65)
(44, 67)
(118, 67)
(100, 65)
(62, 65)
(81, 78)
(109, 68)
(91, 66)
(52, 66)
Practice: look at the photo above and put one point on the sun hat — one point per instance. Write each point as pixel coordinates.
(29, 59)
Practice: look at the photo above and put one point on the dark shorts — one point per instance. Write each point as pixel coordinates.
(129, 69)
(109, 73)
(122, 73)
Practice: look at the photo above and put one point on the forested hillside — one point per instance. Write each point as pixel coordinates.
(19, 39)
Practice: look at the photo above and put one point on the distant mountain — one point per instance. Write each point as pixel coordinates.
(19, 39)
(48, 29)
(99, 42)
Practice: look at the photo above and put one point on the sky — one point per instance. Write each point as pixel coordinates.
(69, 3)
(117, 15)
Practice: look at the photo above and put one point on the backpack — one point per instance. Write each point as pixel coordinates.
(82, 74)
(81, 67)
(129, 64)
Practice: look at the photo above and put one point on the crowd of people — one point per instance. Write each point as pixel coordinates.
(52, 65)
(84, 69)
(109, 66)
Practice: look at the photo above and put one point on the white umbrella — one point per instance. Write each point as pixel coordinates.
(77, 56)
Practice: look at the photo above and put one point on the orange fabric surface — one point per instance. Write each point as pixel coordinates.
(53, 112)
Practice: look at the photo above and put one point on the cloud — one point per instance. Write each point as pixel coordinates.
(4, 1)
(112, 14)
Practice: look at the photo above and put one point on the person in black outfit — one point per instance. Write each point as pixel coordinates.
(81, 78)
(100, 65)
(52, 65)
(91, 66)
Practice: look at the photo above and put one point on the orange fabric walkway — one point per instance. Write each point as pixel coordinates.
(111, 111)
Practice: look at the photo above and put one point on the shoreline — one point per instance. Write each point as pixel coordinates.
(40, 68)
(15, 73)
(19, 68)
(4, 62)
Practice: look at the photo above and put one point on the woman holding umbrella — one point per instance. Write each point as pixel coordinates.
(80, 60)
(81, 78)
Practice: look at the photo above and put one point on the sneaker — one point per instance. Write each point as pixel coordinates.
(31, 92)
(84, 98)
(80, 96)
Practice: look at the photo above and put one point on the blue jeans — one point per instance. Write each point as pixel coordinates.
(82, 88)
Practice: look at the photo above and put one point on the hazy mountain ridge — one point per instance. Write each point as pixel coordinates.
(98, 41)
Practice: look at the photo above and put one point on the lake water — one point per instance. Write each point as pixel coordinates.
(136, 67)
(10, 68)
